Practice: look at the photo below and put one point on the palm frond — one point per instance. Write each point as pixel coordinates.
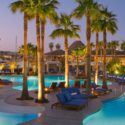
(15, 6)
(65, 27)
(57, 33)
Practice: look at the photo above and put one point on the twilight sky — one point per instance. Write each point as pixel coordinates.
(11, 25)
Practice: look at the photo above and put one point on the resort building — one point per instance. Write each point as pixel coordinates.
(9, 61)
(54, 60)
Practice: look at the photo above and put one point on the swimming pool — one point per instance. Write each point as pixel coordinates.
(111, 113)
(33, 81)
(14, 119)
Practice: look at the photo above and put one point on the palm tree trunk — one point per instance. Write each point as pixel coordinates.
(104, 61)
(39, 58)
(97, 49)
(43, 100)
(28, 64)
(66, 62)
(88, 36)
(77, 68)
(101, 54)
(25, 94)
(114, 53)
(36, 62)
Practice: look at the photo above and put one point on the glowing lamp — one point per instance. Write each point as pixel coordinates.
(47, 90)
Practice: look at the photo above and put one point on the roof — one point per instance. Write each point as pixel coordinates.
(120, 52)
(76, 45)
(55, 53)
(109, 52)
(9, 53)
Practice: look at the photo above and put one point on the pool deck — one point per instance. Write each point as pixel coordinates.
(56, 116)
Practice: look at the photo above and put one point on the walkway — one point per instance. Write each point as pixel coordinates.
(56, 116)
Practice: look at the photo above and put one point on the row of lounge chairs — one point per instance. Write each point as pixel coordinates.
(115, 76)
(120, 79)
(55, 86)
(5, 82)
(99, 90)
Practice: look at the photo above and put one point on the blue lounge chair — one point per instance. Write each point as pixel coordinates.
(77, 84)
(75, 93)
(98, 89)
(121, 82)
(67, 101)
(61, 85)
(53, 86)
(5, 82)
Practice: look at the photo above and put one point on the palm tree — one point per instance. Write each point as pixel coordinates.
(114, 45)
(109, 46)
(30, 52)
(66, 29)
(123, 45)
(21, 50)
(91, 46)
(22, 6)
(96, 27)
(42, 10)
(51, 14)
(77, 54)
(13, 65)
(108, 25)
(58, 46)
(87, 8)
(51, 46)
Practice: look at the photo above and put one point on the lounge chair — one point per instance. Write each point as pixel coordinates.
(61, 85)
(75, 93)
(77, 84)
(85, 84)
(53, 86)
(66, 101)
(99, 88)
(119, 79)
(5, 82)
(121, 82)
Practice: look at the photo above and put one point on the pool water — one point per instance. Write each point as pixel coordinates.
(33, 81)
(14, 119)
(111, 113)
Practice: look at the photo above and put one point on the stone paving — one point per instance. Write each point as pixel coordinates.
(56, 116)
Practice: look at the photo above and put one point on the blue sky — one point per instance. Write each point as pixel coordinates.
(11, 25)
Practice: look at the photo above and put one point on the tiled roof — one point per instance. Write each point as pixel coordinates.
(56, 52)
(76, 45)
(109, 52)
